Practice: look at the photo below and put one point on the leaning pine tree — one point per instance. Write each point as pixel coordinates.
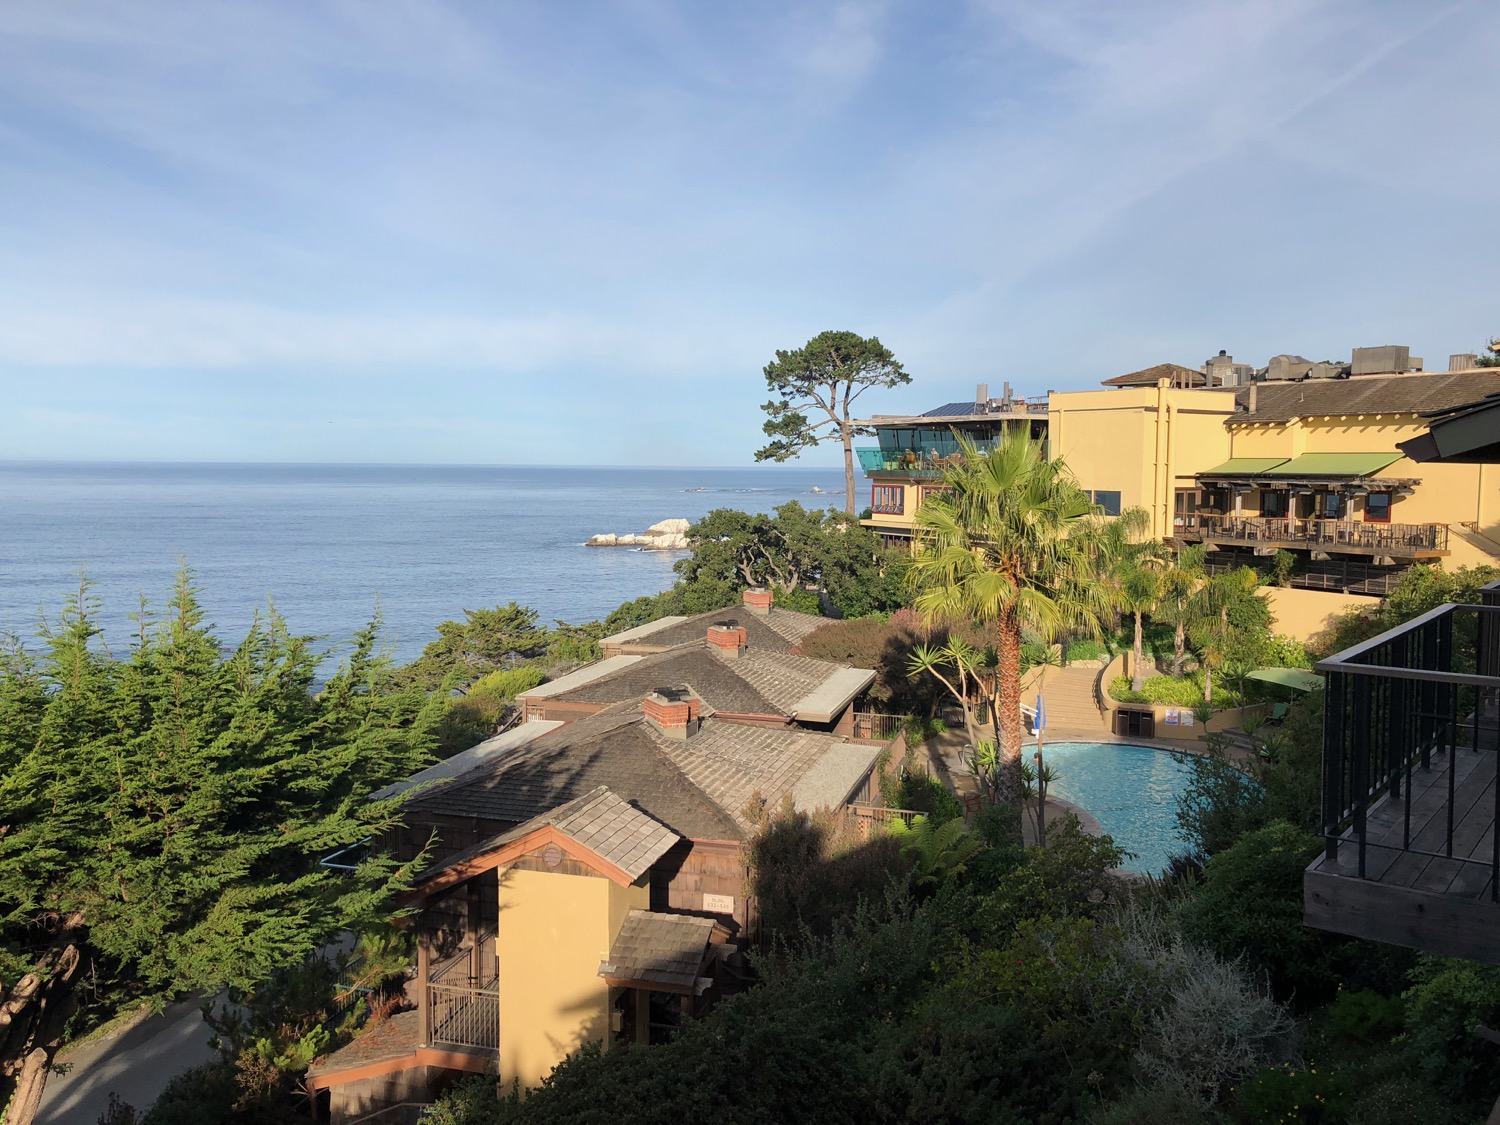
(1013, 543)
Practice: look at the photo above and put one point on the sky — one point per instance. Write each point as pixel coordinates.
(505, 232)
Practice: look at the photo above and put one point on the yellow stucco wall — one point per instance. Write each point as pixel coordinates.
(1143, 442)
(554, 931)
(1305, 613)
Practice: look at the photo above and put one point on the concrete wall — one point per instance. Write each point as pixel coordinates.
(554, 931)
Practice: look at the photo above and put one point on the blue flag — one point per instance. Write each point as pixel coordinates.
(1041, 712)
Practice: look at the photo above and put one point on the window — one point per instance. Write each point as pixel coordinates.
(1273, 504)
(888, 499)
(1109, 501)
(1185, 508)
(930, 491)
(1378, 507)
(1332, 506)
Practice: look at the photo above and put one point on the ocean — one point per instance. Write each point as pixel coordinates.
(329, 542)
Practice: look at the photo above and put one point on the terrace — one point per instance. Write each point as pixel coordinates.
(924, 458)
(1410, 802)
(1341, 536)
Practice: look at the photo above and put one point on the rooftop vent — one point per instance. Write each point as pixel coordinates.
(1389, 359)
(1464, 361)
(1284, 367)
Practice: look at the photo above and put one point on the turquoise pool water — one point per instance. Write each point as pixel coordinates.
(1131, 790)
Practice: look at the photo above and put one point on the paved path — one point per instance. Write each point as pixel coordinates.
(136, 1063)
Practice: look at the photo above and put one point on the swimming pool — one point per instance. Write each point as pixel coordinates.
(1131, 790)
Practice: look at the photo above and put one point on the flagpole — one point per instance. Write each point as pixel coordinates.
(1041, 780)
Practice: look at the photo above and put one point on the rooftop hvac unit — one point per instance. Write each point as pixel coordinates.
(1327, 371)
(1284, 367)
(1464, 361)
(1392, 359)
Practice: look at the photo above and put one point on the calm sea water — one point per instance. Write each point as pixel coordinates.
(327, 541)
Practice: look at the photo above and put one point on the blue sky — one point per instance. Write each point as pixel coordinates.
(506, 232)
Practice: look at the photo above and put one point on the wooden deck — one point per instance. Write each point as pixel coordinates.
(1412, 893)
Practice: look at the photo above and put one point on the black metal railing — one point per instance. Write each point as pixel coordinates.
(1407, 700)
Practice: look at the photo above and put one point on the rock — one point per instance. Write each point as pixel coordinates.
(668, 535)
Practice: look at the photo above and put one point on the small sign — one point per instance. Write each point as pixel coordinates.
(1187, 718)
(1173, 716)
(718, 904)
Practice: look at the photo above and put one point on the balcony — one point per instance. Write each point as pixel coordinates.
(1410, 802)
(926, 459)
(462, 997)
(1270, 533)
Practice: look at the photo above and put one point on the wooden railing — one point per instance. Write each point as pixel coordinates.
(1390, 538)
(461, 1011)
(869, 819)
(873, 726)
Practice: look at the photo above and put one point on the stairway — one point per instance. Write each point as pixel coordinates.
(1068, 694)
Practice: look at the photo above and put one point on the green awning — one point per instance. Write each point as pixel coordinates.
(1243, 467)
(1335, 464)
(1298, 679)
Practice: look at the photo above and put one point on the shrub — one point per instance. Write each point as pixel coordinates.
(1219, 803)
(1250, 905)
(800, 600)
(1170, 691)
(1448, 999)
(1286, 652)
(505, 685)
(1286, 1093)
(1085, 649)
(1364, 1016)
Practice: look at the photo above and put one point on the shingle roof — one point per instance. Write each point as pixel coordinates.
(1365, 394)
(778, 631)
(716, 681)
(393, 1038)
(615, 831)
(731, 762)
(614, 748)
(472, 758)
(666, 950)
(1148, 376)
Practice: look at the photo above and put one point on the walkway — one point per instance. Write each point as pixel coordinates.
(135, 1063)
(1068, 695)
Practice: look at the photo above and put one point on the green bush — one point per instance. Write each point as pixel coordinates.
(1362, 1015)
(506, 685)
(1250, 905)
(1219, 804)
(1286, 652)
(1085, 649)
(927, 795)
(1284, 1093)
(1170, 691)
(800, 600)
(1448, 999)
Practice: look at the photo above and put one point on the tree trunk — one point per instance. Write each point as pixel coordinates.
(1208, 683)
(848, 434)
(1179, 648)
(1137, 679)
(32, 1018)
(1008, 729)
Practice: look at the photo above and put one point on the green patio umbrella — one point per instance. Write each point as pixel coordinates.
(1297, 679)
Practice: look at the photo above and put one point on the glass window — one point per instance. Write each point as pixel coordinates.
(1333, 506)
(1273, 504)
(888, 499)
(1109, 501)
(1378, 507)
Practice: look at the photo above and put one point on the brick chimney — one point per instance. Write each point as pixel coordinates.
(727, 639)
(758, 601)
(673, 711)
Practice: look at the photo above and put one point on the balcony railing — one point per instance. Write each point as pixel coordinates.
(926, 459)
(874, 726)
(1315, 534)
(463, 1012)
(1410, 726)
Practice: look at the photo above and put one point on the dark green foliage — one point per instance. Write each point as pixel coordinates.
(474, 716)
(202, 1095)
(486, 640)
(1250, 905)
(178, 796)
(1219, 804)
(800, 600)
(1287, 1093)
(1420, 589)
(926, 795)
(1447, 1000)
(1364, 1016)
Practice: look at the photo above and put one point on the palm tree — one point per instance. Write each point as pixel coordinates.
(1177, 603)
(1014, 543)
(1135, 576)
(1213, 634)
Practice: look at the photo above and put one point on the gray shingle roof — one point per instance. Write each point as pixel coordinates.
(1147, 377)
(472, 758)
(1365, 394)
(613, 830)
(778, 631)
(666, 950)
(613, 748)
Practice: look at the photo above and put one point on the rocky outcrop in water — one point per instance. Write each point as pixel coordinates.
(668, 535)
